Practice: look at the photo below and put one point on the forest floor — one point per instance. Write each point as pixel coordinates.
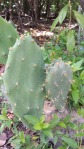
(42, 32)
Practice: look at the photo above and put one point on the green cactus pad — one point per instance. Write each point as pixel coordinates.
(8, 36)
(24, 77)
(58, 82)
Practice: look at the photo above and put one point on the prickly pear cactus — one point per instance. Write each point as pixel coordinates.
(8, 36)
(58, 82)
(24, 77)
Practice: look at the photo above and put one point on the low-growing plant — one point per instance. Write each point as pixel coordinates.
(77, 90)
(70, 40)
(4, 120)
(46, 135)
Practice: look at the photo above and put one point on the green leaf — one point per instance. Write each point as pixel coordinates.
(4, 112)
(8, 123)
(31, 119)
(45, 125)
(77, 66)
(81, 134)
(43, 138)
(72, 125)
(62, 124)
(28, 142)
(55, 139)
(70, 41)
(22, 137)
(42, 119)
(54, 122)
(34, 138)
(67, 119)
(82, 100)
(74, 85)
(79, 18)
(3, 118)
(16, 143)
(48, 133)
(38, 126)
(71, 142)
(54, 24)
(62, 147)
(75, 95)
(12, 138)
(2, 127)
(82, 75)
(19, 146)
(81, 112)
(59, 132)
(63, 13)
(41, 126)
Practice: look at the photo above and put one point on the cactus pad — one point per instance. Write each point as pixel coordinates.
(24, 77)
(8, 36)
(58, 82)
